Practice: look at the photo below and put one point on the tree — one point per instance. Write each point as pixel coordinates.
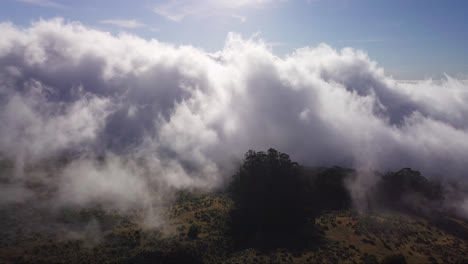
(330, 189)
(193, 231)
(270, 200)
(394, 259)
(409, 190)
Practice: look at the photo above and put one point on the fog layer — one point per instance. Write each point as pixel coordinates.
(141, 117)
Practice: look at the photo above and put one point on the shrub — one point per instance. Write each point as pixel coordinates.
(394, 259)
(193, 231)
(369, 259)
(462, 261)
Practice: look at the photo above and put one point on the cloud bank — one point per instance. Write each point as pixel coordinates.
(141, 117)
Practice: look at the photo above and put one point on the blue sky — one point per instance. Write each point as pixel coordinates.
(414, 39)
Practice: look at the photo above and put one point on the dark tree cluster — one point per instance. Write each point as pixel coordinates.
(407, 189)
(394, 259)
(271, 203)
(329, 189)
(276, 200)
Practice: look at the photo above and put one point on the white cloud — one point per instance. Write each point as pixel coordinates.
(174, 117)
(43, 3)
(125, 23)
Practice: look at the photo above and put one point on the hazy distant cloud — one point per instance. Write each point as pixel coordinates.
(130, 23)
(165, 117)
(241, 18)
(168, 13)
(179, 9)
(154, 29)
(44, 3)
(366, 40)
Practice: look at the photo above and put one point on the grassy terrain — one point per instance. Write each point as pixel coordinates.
(32, 235)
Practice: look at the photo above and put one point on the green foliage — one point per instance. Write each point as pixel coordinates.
(409, 190)
(329, 188)
(369, 259)
(178, 255)
(397, 184)
(270, 195)
(462, 261)
(193, 231)
(394, 259)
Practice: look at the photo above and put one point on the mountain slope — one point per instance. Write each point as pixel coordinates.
(347, 237)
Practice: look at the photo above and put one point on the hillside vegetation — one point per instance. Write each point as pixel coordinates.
(274, 211)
